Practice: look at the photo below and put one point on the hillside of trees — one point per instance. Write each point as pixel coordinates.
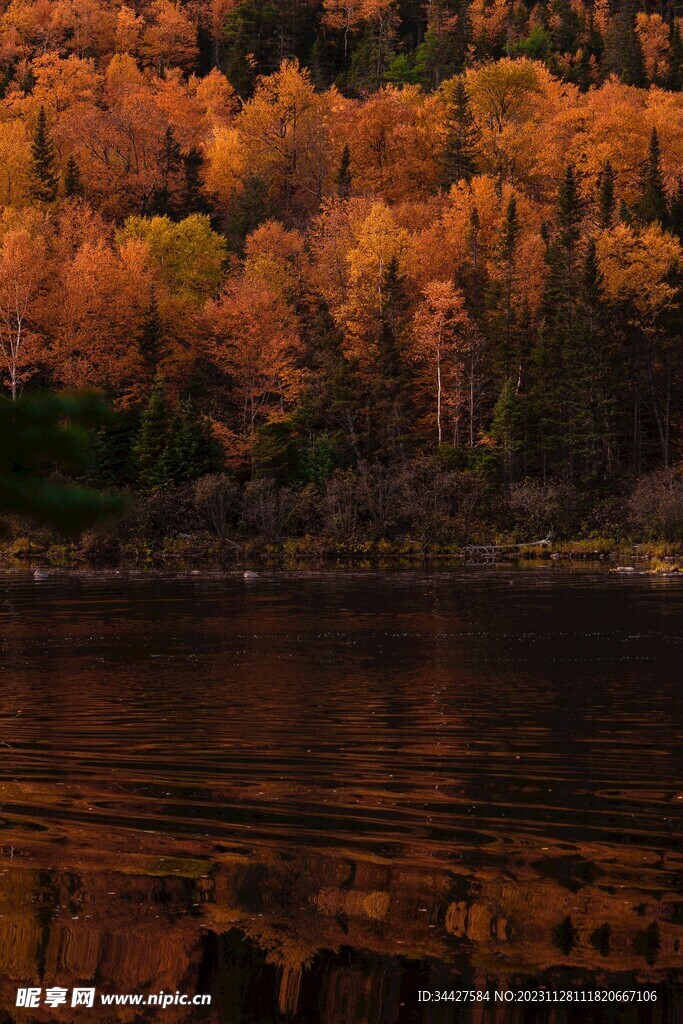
(377, 266)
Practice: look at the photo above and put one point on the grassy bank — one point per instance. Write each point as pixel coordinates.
(204, 550)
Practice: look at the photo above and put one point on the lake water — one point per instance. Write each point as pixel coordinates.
(313, 796)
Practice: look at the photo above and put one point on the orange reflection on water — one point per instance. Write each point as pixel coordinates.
(315, 796)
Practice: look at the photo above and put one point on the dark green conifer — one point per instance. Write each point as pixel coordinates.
(556, 335)
(569, 210)
(472, 277)
(152, 436)
(402, 71)
(370, 58)
(591, 279)
(170, 154)
(625, 214)
(152, 338)
(509, 240)
(441, 53)
(343, 177)
(507, 426)
(676, 211)
(561, 247)
(393, 290)
(581, 362)
(162, 202)
(462, 137)
(320, 62)
(510, 232)
(111, 451)
(651, 205)
(73, 183)
(191, 450)
(675, 81)
(606, 199)
(594, 367)
(623, 53)
(44, 177)
(563, 27)
(192, 200)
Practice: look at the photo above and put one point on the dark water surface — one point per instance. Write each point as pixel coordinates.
(314, 795)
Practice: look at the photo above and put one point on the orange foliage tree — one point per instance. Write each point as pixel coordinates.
(255, 339)
(23, 266)
(442, 334)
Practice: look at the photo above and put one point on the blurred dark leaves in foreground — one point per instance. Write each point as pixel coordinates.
(45, 447)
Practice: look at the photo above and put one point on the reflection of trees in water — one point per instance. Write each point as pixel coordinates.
(438, 726)
(332, 938)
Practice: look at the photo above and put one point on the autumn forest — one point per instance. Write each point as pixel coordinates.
(374, 268)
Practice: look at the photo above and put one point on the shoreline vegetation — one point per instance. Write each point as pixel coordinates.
(424, 515)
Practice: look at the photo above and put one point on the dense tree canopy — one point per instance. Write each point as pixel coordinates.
(445, 229)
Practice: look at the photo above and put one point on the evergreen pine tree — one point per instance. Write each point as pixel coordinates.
(393, 312)
(563, 26)
(625, 215)
(370, 58)
(437, 58)
(192, 200)
(44, 183)
(402, 71)
(581, 363)
(472, 276)
(651, 205)
(332, 402)
(462, 137)
(162, 200)
(73, 183)
(441, 54)
(569, 211)
(318, 459)
(556, 331)
(509, 240)
(152, 437)
(275, 453)
(152, 338)
(170, 155)
(594, 366)
(623, 53)
(676, 211)
(591, 279)
(675, 82)
(507, 425)
(595, 44)
(510, 231)
(606, 199)
(320, 62)
(191, 450)
(343, 177)
(111, 449)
